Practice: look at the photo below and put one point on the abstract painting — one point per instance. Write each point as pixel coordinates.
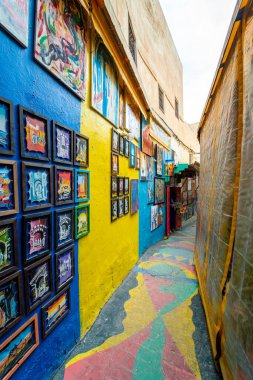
(114, 209)
(6, 126)
(159, 160)
(159, 192)
(143, 166)
(82, 185)
(64, 267)
(82, 221)
(8, 246)
(105, 89)
(64, 227)
(160, 215)
(169, 168)
(11, 305)
(63, 144)
(64, 179)
(154, 218)
(134, 196)
(14, 19)
(150, 168)
(150, 185)
(81, 150)
(60, 42)
(18, 347)
(36, 236)
(54, 311)
(8, 188)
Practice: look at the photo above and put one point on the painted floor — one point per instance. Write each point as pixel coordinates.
(153, 328)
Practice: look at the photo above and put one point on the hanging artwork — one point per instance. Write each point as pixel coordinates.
(37, 186)
(36, 236)
(126, 147)
(82, 185)
(143, 166)
(121, 108)
(137, 159)
(62, 144)
(81, 150)
(115, 164)
(159, 192)
(154, 217)
(160, 215)
(6, 126)
(115, 141)
(60, 42)
(64, 227)
(11, 303)
(150, 168)
(105, 89)
(169, 168)
(160, 135)
(159, 160)
(26, 338)
(114, 187)
(114, 209)
(126, 205)
(8, 246)
(121, 207)
(82, 221)
(134, 196)
(64, 179)
(150, 185)
(54, 311)
(147, 145)
(120, 186)
(126, 185)
(14, 19)
(34, 135)
(38, 283)
(132, 119)
(8, 188)
(132, 156)
(121, 145)
(64, 267)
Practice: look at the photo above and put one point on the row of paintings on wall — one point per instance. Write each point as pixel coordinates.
(35, 139)
(148, 164)
(119, 186)
(156, 218)
(120, 206)
(37, 186)
(122, 146)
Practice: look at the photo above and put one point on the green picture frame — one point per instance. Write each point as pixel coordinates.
(85, 230)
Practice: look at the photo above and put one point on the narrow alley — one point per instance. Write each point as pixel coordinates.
(153, 327)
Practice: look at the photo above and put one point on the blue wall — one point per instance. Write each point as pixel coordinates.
(25, 82)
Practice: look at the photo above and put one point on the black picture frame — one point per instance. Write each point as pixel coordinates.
(9, 246)
(121, 145)
(126, 205)
(60, 227)
(23, 112)
(121, 183)
(126, 147)
(156, 199)
(66, 132)
(13, 278)
(115, 147)
(30, 289)
(114, 213)
(37, 229)
(114, 187)
(39, 203)
(64, 200)
(58, 256)
(9, 175)
(9, 150)
(121, 207)
(46, 330)
(77, 161)
(114, 156)
(126, 185)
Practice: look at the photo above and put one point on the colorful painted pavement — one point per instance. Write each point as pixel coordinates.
(153, 327)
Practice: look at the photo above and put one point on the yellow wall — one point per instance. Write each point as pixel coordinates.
(110, 251)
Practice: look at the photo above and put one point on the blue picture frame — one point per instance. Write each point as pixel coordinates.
(82, 185)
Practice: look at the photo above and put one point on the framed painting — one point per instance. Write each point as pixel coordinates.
(64, 58)
(121, 186)
(114, 209)
(121, 145)
(134, 196)
(132, 156)
(82, 185)
(62, 144)
(150, 185)
(154, 218)
(37, 233)
(37, 186)
(8, 188)
(137, 158)
(150, 168)
(64, 267)
(126, 185)
(115, 164)
(121, 107)
(11, 302)
(6, 126)
(81, 150)
(143, 166)
(114, 187)
(159, 190)
(115, 141)
(8, 246)
(82, 221)
(64, 227)
(159, 160)
(126, 205)
(160, 215)
(126, 147)
(55, 311)
(132, 117)
(38, 283)
(121, 207)
(34, 135)
(26, 338)
(64, 184)
(14, 19)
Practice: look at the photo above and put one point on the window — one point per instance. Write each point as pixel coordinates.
(176, 108)
(132, 40)
(161, 98)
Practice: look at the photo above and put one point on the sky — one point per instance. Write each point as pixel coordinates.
(199, 29)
